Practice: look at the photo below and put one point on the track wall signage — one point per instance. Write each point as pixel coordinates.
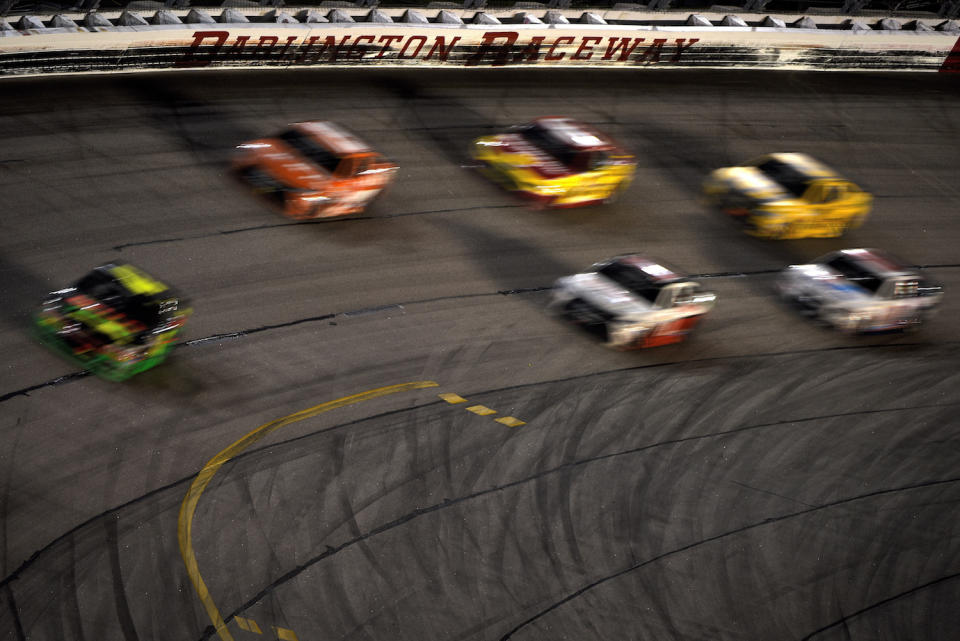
(489, 48)
(102, 49)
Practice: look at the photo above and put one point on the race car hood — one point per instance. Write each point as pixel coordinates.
(751, 182)
(285, 164)
(525, 155)
(607, 295)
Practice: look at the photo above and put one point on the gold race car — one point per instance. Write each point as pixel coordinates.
(556, 162)
(786, 196)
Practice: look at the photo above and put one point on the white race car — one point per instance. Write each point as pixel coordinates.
(861, 290)
(632, 302)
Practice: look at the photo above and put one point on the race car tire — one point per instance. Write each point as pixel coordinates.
(853, 223)
(780, 233)
(810, 307)
(615, 194)
(915, 324)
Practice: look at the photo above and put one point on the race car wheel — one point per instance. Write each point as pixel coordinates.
(779, 233)
(853, 223)
(914, 323)
(809, 306)
(615, 194)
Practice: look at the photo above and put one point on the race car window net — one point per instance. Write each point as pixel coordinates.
(310, 149)
(598, 160)
(685, 294)
(905, 289)
(632, 279)
(854, 273)
(826, 194)
(785, 175)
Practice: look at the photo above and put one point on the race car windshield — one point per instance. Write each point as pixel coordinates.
(102, 287)
(542, 139)
(310, 149)
(785, 175)
(633, 280)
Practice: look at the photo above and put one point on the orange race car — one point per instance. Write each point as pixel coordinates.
(314, 170)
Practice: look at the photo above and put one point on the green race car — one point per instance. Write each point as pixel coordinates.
(116, 321)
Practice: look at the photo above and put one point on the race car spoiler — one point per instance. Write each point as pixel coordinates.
(169, 39)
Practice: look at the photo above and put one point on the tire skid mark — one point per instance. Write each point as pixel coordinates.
(717, 537)
(124, 615)
(15, 612)
(349, 520)
(7, 581)
(843, 620)
(13, 576)
(70, 606)
(563, 468)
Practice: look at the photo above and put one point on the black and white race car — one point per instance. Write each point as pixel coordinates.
(861, 290)
(632, 302)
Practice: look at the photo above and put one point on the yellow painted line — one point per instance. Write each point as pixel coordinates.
(248, 624)
(203, 478)
(509, 421)
(481, 410)
(453, 399)
(286, 635)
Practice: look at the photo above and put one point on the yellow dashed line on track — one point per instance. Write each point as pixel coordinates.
(481, 410)
(203, 478)
(286, 635)
(248, 624)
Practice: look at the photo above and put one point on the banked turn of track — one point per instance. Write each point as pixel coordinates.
(768, 479)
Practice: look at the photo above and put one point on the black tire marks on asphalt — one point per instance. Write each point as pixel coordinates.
(879, 604)
(723, 535)
(563, 469)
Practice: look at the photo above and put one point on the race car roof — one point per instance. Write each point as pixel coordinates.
(338, 140)
(877, 262)
(641, 276)
(575, 134)
(655, 271)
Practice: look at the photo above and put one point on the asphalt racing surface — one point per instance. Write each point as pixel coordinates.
(768, 479)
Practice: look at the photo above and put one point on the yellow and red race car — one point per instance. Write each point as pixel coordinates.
(788, 195)
(314, 170)
(556, 162)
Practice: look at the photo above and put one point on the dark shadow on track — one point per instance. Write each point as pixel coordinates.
(450, 123)
(512, 263)
(22, 292)
(209, 133)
